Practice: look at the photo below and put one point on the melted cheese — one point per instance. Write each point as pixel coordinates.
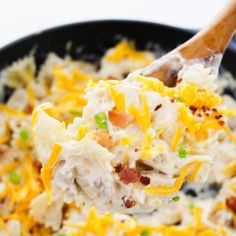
(165, 189)
(125, 50)
(126, 140)
(176, 138)
(83, 129)
(46, 171)
(8, 167)
(11, 111)
(142, 116)
(118, 98)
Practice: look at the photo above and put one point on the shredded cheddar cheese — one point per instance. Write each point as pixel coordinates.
(165, 189)
(126, 50)
(46, 171)
(118, 98)
(176, 138)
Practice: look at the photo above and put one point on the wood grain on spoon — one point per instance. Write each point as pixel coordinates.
(214, 38)
(210, 41)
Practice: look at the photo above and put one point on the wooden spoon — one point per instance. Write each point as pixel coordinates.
(205, 45)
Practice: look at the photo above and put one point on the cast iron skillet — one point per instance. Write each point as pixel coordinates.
(94, 37)
(91, 39)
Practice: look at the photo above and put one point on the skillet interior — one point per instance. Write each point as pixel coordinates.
(94, 37)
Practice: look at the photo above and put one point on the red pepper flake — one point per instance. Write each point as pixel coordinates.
(145, 180)
(178, 80)
(214, 109)
(157, 107)
(172, 100)
(218, 117)
(128, 202)
(221, 122)
(193, 109)
(129, 175)
(231, 203)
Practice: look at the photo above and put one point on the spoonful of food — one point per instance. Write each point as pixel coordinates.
(207, 45)
(140, 139)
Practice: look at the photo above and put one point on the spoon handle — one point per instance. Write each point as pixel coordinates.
(214, 38)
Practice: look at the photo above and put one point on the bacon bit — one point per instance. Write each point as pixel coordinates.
(145, 180)
(103, 138)
(221, 122)
(157, 107)
(199, 115)
(29, 109)
(214, 109)
(129, 175)
(120, 119)
(128, 202)
(231, 203)
(142, 166)
(118, 168)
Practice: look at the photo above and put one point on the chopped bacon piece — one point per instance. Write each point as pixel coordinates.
(128, 202)
(120, 119)
(103, 138)
(29, 108)
(129, 175)
(3, 149)
(231, 203)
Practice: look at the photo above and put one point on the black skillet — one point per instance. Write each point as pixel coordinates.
(90, 40)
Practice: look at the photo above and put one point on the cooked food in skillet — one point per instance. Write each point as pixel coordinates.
(128, 146)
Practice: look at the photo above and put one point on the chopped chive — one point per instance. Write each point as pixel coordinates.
(144, 232)
(76, 113)
(59, 234)
(24, 134)
(182, 152)
(191, 206)
(101, 120)
(176, 198)
(177, 98)
(15, 178)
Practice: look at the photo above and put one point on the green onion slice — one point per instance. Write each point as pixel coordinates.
(182, 152)
(15, 178)
(24, 134)
(101, 120)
